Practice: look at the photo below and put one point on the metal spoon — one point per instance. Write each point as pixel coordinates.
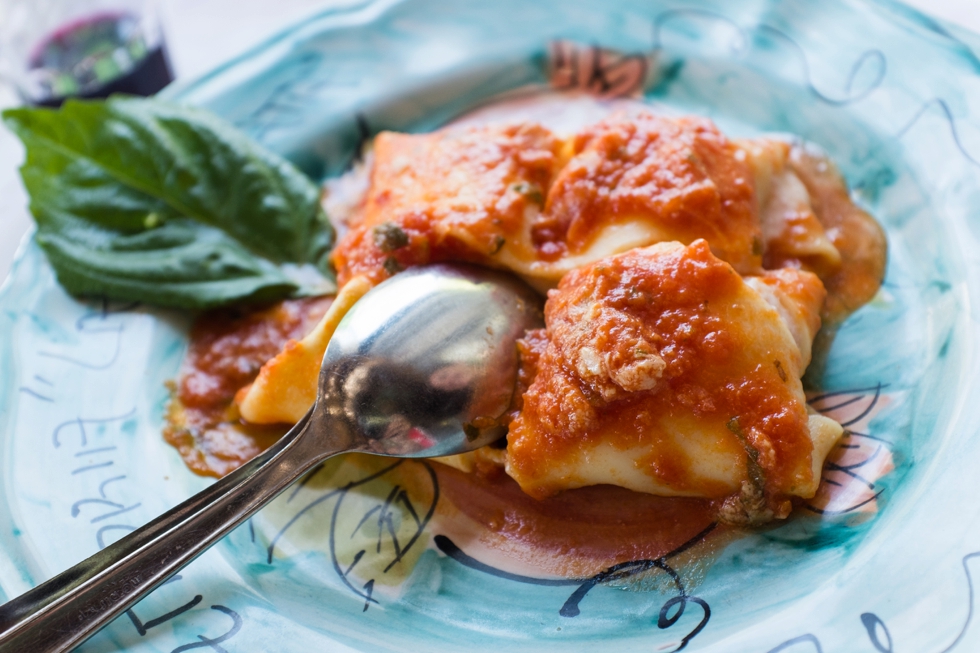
(423, 365)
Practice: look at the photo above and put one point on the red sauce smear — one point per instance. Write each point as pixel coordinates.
(576, 533)
(228, 348)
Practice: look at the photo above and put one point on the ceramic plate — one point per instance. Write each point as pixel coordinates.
(355, 558)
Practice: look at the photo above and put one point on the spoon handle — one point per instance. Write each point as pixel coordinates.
(64, 611)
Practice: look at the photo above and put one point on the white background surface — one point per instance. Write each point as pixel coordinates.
(203, 33)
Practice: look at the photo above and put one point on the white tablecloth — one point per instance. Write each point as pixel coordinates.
(203, 33)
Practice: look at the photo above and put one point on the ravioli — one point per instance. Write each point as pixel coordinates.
(662, 370)
(792, 233)
(286, 386)
(448, 196)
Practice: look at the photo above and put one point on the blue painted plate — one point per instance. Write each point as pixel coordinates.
(354, 559)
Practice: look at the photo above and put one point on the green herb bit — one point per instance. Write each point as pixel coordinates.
(733, 426)
(780, 370)
(755, 472)
(392, 266)
(498, 244)
(532, 192)
(388, 236)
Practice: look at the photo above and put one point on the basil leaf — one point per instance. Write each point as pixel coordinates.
(140, 199)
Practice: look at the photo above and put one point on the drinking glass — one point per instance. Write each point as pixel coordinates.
(54, 49)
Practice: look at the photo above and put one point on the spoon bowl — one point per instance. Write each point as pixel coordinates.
(407, 382)
(425, 364)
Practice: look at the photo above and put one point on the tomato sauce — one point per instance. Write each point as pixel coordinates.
(577, 533)
(227, 349)
(680, 174)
